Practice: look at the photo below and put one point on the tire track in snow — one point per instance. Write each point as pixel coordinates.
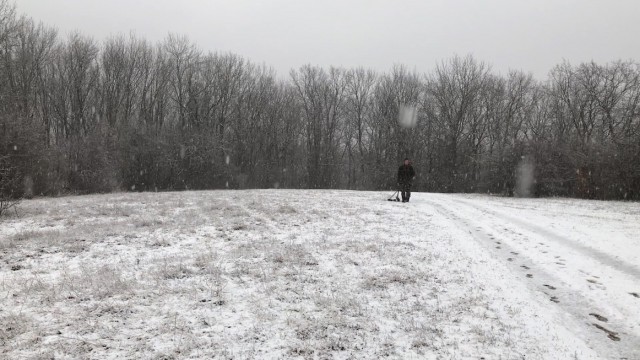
(602, 257)
(583, 313)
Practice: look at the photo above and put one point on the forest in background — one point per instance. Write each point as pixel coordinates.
(81, 116)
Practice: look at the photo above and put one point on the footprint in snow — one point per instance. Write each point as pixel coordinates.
(599, 317)
(597, 284)
(554, 299)
(514, 253)
(510, 259)
(549, 287)
(498, 247)
(635, 295)
(529, 275)
(524, 267)
(610, 334)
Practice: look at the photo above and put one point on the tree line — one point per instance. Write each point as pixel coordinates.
(79, 116)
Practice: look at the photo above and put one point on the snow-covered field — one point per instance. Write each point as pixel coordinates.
(319, 274)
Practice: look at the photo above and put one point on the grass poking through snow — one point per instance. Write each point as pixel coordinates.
(242, 275)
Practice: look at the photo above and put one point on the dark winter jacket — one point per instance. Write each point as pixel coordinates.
(406, 174)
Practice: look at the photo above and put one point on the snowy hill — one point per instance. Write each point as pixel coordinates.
(319, 274)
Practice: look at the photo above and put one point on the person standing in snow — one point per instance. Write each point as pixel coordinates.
(406, 174)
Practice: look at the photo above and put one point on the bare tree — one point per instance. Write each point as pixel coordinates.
(389, 141)
(456, 90)
(8, 183)
(360, 87)
(508, 106)
(184, 58)
(323, 95)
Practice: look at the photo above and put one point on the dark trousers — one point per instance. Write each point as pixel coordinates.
(405, 189)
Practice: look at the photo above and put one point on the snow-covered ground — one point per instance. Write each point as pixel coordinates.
(319, 274)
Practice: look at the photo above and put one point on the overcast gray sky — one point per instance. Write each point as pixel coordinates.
(532, 35)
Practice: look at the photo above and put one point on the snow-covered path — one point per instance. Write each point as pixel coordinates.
(319, 274)
(584, 256)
